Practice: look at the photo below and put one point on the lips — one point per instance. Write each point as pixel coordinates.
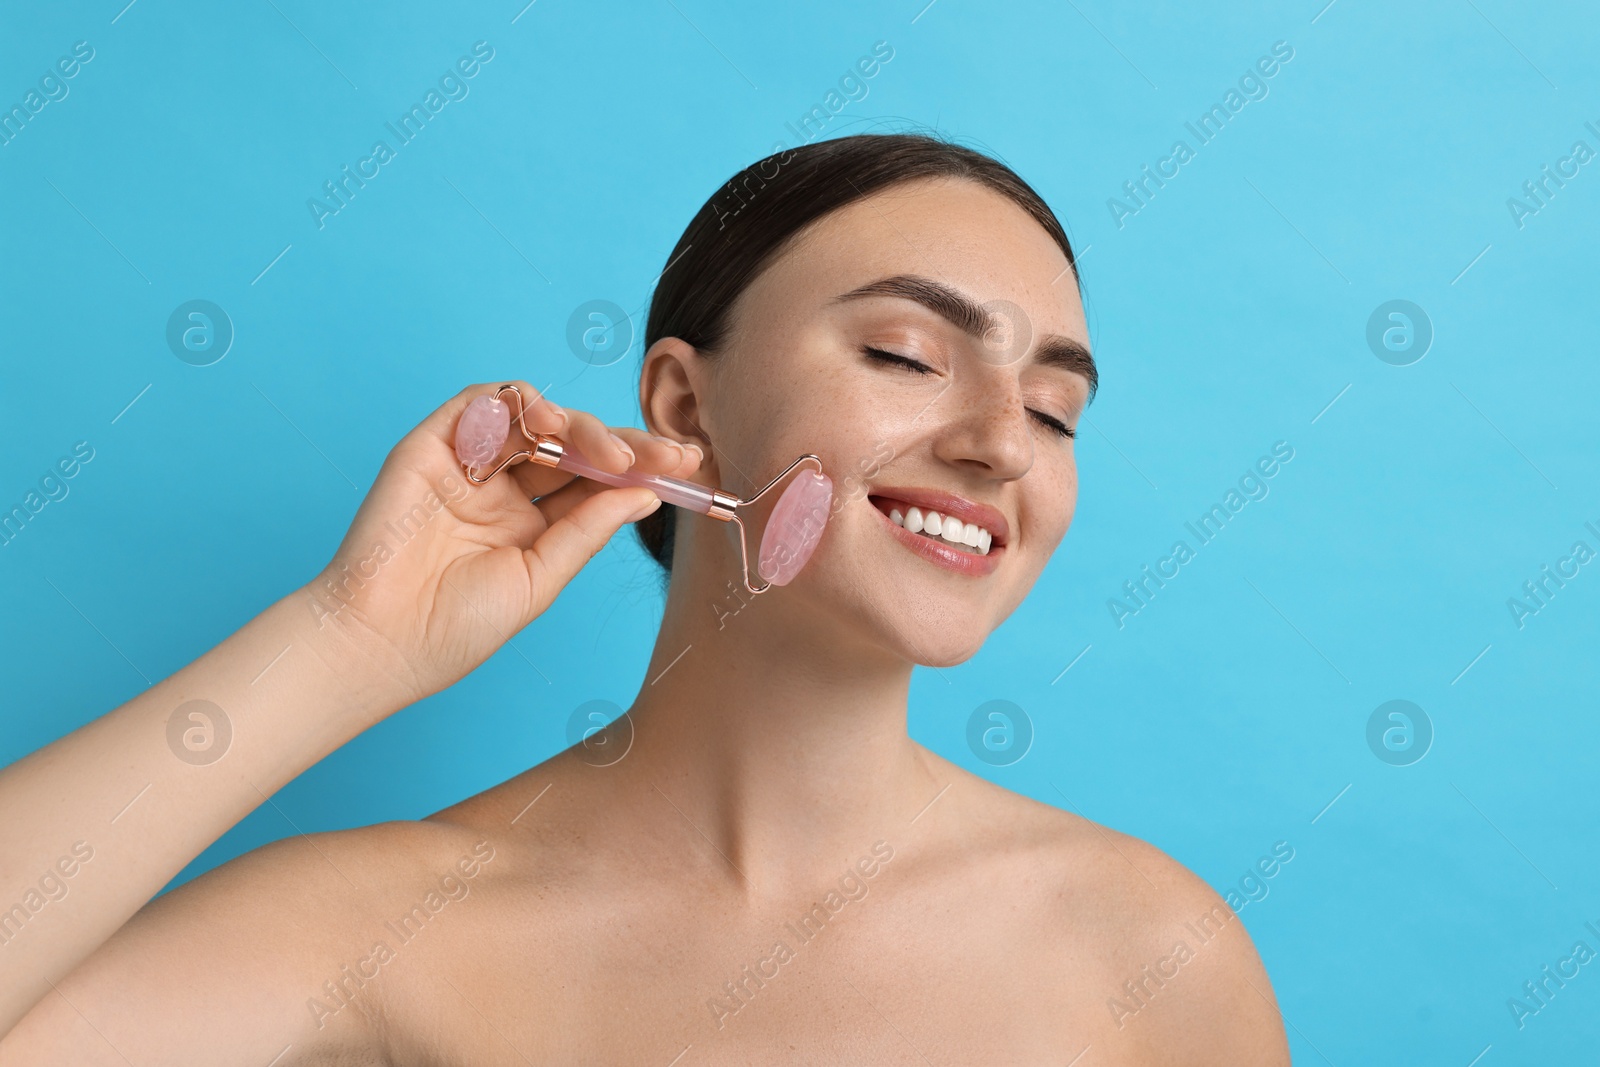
(952, 554)
(887, 498)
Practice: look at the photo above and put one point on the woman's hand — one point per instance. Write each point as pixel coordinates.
(436, 573)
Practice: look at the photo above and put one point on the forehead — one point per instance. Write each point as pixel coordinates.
(963, 234)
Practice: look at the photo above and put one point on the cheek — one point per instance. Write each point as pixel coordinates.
(760, 393)
(1052, 502)
(788, 410)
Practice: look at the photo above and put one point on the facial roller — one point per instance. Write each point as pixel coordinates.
(793, 529)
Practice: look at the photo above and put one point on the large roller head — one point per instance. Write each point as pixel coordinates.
(795, 527)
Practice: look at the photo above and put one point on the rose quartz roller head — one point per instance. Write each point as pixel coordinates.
(793, 529)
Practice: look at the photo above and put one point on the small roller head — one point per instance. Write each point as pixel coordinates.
(795, 527)
(482, 432)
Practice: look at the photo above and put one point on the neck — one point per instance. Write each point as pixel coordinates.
(781, 736)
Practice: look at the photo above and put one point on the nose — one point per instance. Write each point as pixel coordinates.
(985, 424)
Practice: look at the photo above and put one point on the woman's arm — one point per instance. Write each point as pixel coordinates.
(103, 818)
(434, 575)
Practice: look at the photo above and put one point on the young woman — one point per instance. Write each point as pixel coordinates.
(756, 865)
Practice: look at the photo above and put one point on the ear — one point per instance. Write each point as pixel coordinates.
(672, 383)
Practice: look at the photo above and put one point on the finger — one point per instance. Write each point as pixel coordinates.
(654, 455)
(595, 440)
(556, 504)
(558, 501)
(535, 481)
(545, 415)
(571, 541)
(694, 458)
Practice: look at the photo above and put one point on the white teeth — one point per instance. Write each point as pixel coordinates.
(945, 527)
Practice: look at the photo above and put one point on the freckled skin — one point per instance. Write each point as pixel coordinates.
(765, 756)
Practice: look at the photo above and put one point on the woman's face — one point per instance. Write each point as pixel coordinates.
(865, 343)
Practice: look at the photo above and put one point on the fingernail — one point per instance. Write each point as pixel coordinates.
(559, 410)
(697, 450)
(655, 502)
(667, 440)
(624, 446)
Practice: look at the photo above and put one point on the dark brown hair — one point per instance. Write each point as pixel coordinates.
(751, 219)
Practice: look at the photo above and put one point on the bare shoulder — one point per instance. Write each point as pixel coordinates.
(1186, 983)
(1162, 958)
(279, 949)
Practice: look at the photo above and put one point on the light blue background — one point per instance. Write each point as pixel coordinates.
(1226, 315)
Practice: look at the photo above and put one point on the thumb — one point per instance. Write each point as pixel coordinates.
(560, 552)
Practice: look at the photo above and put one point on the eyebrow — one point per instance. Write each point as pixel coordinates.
(969, 316)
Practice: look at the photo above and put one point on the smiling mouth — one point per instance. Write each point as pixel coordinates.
(945, 531)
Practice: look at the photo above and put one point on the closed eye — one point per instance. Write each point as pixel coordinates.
(900, 361)
(1050, 422)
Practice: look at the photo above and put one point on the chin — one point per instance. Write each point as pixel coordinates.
(866, 588)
